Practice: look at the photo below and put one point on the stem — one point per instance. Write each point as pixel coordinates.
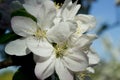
(6, 63)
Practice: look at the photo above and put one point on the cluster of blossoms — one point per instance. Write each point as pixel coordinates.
(56, 39)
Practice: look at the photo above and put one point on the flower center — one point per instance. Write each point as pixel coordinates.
(40, 34)
(60, 50)
(78, 30)
(58, 5)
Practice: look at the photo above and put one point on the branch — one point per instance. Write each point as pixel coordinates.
(6, 63)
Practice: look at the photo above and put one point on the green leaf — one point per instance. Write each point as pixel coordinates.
(5, 38)
(22, 12)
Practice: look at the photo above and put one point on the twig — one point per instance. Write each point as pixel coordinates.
(6, 63)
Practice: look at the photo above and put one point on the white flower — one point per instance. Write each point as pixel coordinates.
(37, 35)
(68, 13)
(87, 39)
(34, 38)
(85, 23)
(56, 39)
(66, 59)
(34, 33)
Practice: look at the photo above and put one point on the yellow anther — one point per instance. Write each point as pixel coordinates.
(58, 5)
(60, 50)
(40, 34)
(78, 31)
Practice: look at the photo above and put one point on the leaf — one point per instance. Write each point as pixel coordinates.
(22, 12)
(5, 38)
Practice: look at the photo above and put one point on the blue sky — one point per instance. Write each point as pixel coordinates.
(105, 12)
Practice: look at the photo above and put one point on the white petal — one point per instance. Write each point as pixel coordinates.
(57, 20)
(90, 69)
(47, 13)
(74, 11)
(87, 21)
(66, 2)
(75, 60)
(93, 58)
(23, 26)
(62, 72)
(82, 41)
(33, 6)
(69, 12)
(75, 8)
(61, 32)
(82, 28)
(17, 47)
(40, 47)
(33, 10)
(65, 14)
(45, 69)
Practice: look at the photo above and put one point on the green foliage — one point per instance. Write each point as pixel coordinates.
(8, 37)
(22, 12)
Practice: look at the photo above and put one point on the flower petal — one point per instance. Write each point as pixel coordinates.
(33, 10)
(61, 32)
(93, 58)
(62, 71)
(70, 11)
(75, 8)
(75, 60)
(33, 6)
(85, 22)
(23, 26)
(17, 47)
(90, 69)
(45, 69)
(47, 13)
(66, 2)
(81, 41)
(40, 47)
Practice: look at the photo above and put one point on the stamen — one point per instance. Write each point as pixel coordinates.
(40, 34)
(78, 30)
(58, 5)
(60, 50)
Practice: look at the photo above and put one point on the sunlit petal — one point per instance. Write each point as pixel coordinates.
(40, 47)
(62, 72)
(45, 69)
(75, 60)
(17, 47)
(23, 26)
